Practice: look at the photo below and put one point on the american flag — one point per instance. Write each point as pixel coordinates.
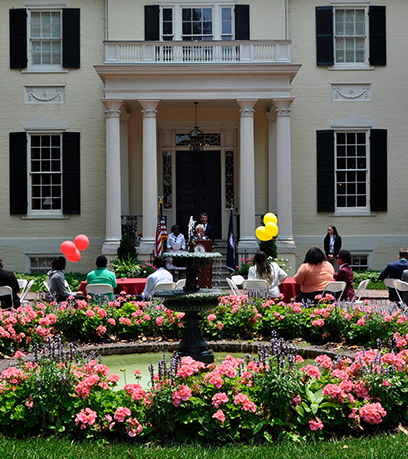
(161, 232)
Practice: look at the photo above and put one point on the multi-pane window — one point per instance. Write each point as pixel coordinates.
(350, 35)
(359, 262)
(167, 180)
(46, 38)
(226, 23)
(229, 179)
(351, 170)
(40, 264)
(197, 24)
(45, 172)
(167, 24)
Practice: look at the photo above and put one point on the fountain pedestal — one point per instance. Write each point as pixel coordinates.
(192, 301)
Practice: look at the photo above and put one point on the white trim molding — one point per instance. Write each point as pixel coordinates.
(351, 122)
(45, 124)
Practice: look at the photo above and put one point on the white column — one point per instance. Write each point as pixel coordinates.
(272, 191)
(124, 161)
(150, 190)
(285, 242)
(113, 201)
(247, 241)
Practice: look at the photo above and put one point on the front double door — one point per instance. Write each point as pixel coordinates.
(198, 176)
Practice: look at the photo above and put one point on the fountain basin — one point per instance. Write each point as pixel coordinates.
(192, 259)
(202, 301)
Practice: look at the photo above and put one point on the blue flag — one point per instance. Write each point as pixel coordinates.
(230, 251)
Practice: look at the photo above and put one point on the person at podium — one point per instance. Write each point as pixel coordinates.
(200, 236)
(208, 228)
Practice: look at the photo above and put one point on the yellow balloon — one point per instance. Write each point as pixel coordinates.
(270, 218)
(261, 234)
(271, 229)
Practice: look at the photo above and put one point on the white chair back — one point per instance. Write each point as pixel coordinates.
(401, 286)
(334, 287)
(26, 291)
(180, 283)
(164, 286)
(22, 283)
(237, 279)
(99, 289)
(256, 288)
(360, 290)
(47, 287)
(6, 290)
(67, 286)
(234, 288)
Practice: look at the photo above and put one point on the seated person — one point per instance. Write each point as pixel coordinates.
(101, 275)
(200, 236)
(394, 271)
(345, 274)
(313, 274)
(8, 278)
(160, 275)
(271, 272)
(56, 281)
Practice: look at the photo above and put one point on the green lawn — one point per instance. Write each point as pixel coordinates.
(379, 447)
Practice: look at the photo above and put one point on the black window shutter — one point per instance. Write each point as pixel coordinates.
(71, 50)
(378, 169)
(152, 24)
(18, 173)
(324, 35)
(325, 171)
(71, 178)
(242, 22)
(378, 45)
(18, 38)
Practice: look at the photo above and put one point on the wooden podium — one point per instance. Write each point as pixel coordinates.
(205, 274)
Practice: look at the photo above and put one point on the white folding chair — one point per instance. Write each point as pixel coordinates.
(67, 286)
(180, 283)
(234, 288)
(99, 289)
(238, 279)
(401, 286)
(47, 287)
(6, 290)
(22, 283)
(334, 287)
(256, 288)
(360, 290)
(164, 286)
(26, 291)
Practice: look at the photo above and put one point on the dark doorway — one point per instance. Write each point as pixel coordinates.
(198, 178)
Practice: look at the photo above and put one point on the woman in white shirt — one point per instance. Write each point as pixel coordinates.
(176, 242)
(271, 272)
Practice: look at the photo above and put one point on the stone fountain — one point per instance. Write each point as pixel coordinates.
(191, 299)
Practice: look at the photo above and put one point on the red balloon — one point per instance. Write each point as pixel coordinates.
(75, 257)
(81, 242)
(68, 248)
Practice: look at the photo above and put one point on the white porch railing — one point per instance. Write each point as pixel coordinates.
(262, 51)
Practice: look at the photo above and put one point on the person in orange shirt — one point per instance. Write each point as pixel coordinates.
(313, 274)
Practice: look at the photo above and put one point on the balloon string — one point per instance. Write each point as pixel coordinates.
(287, 247)
(83, 256)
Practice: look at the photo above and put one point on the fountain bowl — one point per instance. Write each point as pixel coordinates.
(202, 301)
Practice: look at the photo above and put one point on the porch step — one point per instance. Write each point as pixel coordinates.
(220, 270)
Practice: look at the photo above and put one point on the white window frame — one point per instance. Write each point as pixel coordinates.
(366, 253)
(41, 257)
(351, 65)
(216, 19)
(357, 209)
(42, 212)
(49, 68)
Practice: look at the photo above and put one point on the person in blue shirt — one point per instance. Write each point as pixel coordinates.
(394, 271)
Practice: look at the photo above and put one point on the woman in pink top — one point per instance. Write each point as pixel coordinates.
(313, 274)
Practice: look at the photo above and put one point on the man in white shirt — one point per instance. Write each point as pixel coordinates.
(160, 275)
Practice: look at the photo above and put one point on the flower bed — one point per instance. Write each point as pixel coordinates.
(233, 318)
(235, 400)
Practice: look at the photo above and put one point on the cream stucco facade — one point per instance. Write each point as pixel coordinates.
(264, 99)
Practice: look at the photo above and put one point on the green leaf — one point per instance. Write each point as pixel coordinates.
(258, 427)
(300, 410)
(268, 437)
(314, 407)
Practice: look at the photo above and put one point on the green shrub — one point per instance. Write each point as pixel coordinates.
(126, 249)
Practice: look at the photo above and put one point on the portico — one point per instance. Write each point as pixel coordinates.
(232, 97)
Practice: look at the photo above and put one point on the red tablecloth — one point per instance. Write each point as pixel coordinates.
(289, 288)
(132, 286)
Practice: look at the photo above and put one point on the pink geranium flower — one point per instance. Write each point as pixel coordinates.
(219, 415)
